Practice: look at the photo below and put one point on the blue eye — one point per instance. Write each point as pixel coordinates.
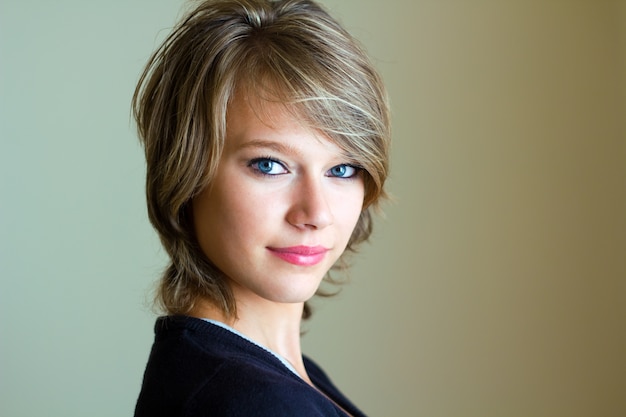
(267, 166)
(342, 171)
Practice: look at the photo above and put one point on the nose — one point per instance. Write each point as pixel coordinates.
(310, 208)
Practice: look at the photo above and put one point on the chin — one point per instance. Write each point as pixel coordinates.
(294, 296)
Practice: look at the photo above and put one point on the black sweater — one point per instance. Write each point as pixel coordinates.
(197, 368)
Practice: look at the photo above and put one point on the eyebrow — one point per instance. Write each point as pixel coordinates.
(269, 144)
(285, 149)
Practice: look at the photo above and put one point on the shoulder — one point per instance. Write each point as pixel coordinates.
(198, 369)
(239, 389)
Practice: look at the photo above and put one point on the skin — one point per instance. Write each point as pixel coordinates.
(278, 186)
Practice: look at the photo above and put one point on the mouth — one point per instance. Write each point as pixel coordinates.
(300, 255)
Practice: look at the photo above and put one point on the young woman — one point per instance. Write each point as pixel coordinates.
(266, 131)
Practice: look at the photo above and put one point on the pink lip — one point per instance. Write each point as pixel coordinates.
(301, 255)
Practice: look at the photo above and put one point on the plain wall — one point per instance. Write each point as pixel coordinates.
(494, 286)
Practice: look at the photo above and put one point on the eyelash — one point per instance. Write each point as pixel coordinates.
(254, 165)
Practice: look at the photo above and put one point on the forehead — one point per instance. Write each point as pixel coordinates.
(246, 108)
(253, 114)
(266, 100)
(253, 121)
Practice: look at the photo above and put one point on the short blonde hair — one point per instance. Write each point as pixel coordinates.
(291, 51)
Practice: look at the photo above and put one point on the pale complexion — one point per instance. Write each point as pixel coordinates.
(278, 214)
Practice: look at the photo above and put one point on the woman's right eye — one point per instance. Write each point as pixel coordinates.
(267, 166)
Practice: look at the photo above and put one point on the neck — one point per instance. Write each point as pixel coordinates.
(273, 325)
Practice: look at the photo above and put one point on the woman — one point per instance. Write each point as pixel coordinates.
(266, 132)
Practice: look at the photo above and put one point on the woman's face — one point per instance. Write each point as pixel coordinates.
(281, 208)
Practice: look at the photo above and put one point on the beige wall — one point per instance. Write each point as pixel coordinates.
(496, 285)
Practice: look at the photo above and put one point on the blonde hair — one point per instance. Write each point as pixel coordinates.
(291, 51)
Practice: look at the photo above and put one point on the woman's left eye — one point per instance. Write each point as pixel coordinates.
(343, 171)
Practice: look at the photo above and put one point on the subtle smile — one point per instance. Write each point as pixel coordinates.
(300, 255)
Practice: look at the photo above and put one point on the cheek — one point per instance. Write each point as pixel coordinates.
(244, 212)
(217, 211)
(350, 206)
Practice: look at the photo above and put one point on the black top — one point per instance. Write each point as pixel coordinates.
(197, 368)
